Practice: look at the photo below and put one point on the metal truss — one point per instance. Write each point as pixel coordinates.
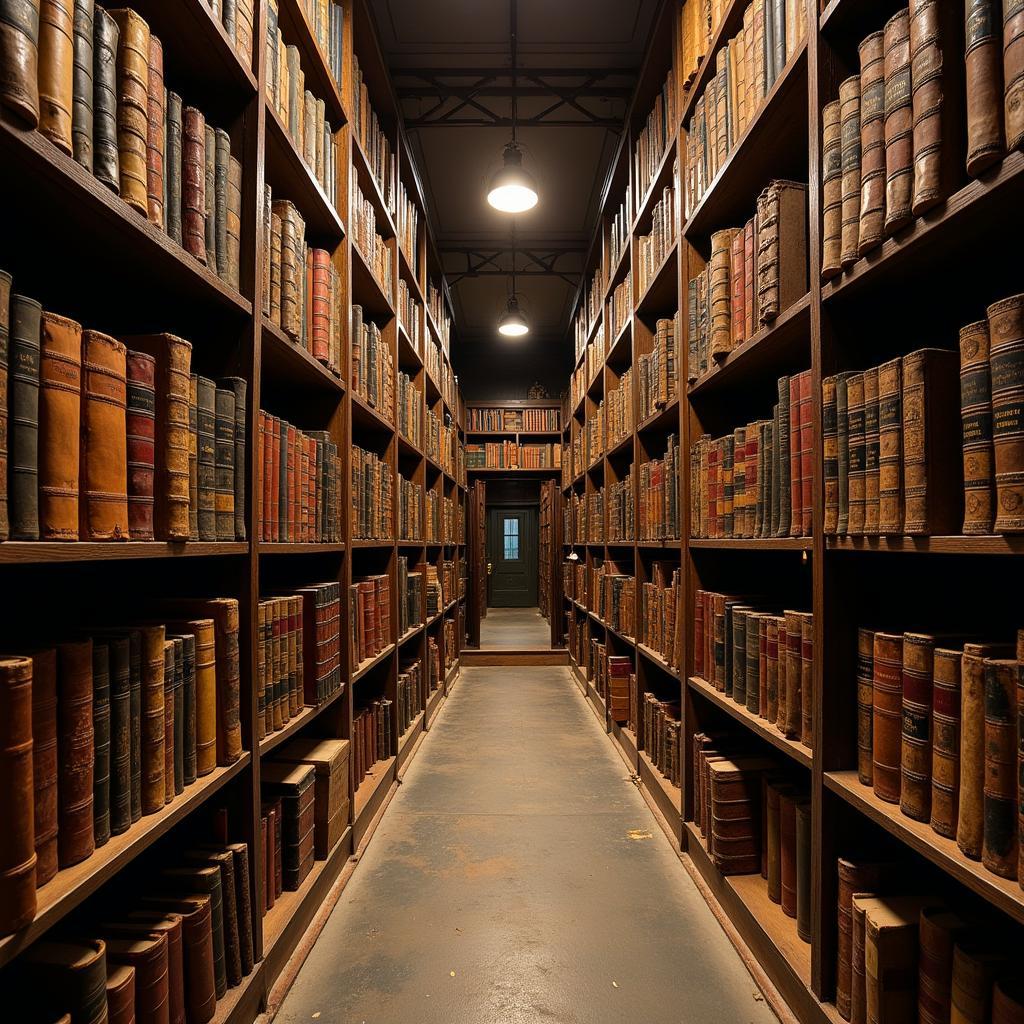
(491, 261)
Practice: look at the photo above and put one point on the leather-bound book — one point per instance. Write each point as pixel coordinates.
(721, 293)
(843, 433)
(939, 931)
(849, 117)
(177, 785)
(153, 726)
(330, 760)
(67, 977)
(865, 705)
(946, 741)
(999, 841)
(132, 107)
(82, 90)
(784, 447)
(871, 452)
(899, 123)
(772, 663)
(23, 418)
(120, 733)
(1020, 751)
(887, 712)
(60, 384)
(787, 851)
(243, 901)
(753, 680)
(193, 457)
(103, 506)
(173, 357)
(75, 743)
(872, 140)
(738, 642)
(984, 84)
(931, 479)
(224, 464)
(971, 816)
(121, 994)
(172, 167)
(832, 199)
(857, 448)
(234, 222)
(858, 980)
(155, 134)
(772, 824)
(19, 58)
(210, 165)
(830, 447)
(1008, 1000)
(294, 785)
(193, 183)
(737, 283)
(17, 840)
(735, 818)
(916, 751)
(222, 157)
(105, 159)
(169, 719)
(803, 869)
(44, 762)
(1013, 72)
(101, 740)
(244, 31)
(976, 964)
(140, 432)
(5, 337)
(206, 421)
(890, 958)
(976, 428)
(205, 879)
(202, 745)
(806, 450)
(148, 955)
(148, 923)
(56, 71)
(890, 447)
(782, 248)
(135, 710)
(225, 864)
(791, 722)
(806, 620)
(239, 389)
(1006, 328)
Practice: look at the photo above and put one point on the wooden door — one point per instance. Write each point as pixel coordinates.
(512, 556)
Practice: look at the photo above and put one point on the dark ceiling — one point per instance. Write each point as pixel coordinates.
(450, 62)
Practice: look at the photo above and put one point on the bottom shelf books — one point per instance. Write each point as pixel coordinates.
(412, 694)
(434, 676)
(410, 597)
(451, 652)
(661, 737)
(371, 737)
(369, 618)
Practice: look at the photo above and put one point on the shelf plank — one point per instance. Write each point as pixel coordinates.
(371, 663)
(751, 544)
(278, 548)
(656, 659)
(19, 552)
(300, 721)
(996, 544)
(661, 295)
(367, 291)
(286, 360)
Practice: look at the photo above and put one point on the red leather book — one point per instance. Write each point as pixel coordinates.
(939, 931)
(275, 479)
(796, 490)
(737, 278)
(148, 955)
(293, 483)
(140, 427)
(193, 183)
(75, 743)
(916, 751)
(887, 715)
(121, 994)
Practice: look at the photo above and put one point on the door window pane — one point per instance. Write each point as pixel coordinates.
(510, 536)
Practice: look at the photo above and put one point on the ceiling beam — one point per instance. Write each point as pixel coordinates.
(541, 261)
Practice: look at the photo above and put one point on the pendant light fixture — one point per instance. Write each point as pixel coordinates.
(512, 323)
(512, 189)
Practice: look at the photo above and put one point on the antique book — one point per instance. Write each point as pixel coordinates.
(773, 863)
(121, 994)
(843, 433)
(75, 743)
(830, 446)
(865, 705)
(721, 293)
(857, 452)
(206, 458)
(148, 955)
(23, 418)
(243, 898)
(193, 183)
(1013, 72)
(132, 107)
(172, 690)
(19, 59)
(977, 961)
(209, 188)
(60, 386)
(224, 464)
(939, 931)
(886, 714)
(806, 456)
(153, 719)
(873, 147)
(932, 484)
(891, 958)
(293, 784)
(140, 432)
(120, 733)
(872, 440)
(224, 861)
(976, 428)
(155, 135)
(204, 879)
(946, 741)
(1006, 327)
(999, 837)
(193, 457)
(781, 248)
(233, 213)
(82, 91)
(56, 71)
(784, 444)
(849, 116)
(854, 877)
(858, 982)
(185, 751)
(173, 357)
(173, 166)
(103, 503)
(806, 620)
(890, 447)
(63, 975)
(239, 388)
(148, 923)
(5, 335)
(794, 634)
(832, 188)
(105, 160)
(984, 84)
(17, 846)
(221, 158)
(735, 794)
(899, 123)
(101, 742)
(44, 763)
(202, 734)
(916, 751)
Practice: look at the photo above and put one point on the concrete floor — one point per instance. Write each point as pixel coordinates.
(514, 629)
(519, 878)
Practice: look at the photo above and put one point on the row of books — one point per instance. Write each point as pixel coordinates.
(617, 410)
(698, 25)
(238, 19)
(596, 435)
(439, 315)
(369, 241)
(757, 481)
(369, 618)
(115, 117)
(653, 248)
(444, 519)
(298, 486)
(299, 654)
(327, 20)
(451, 650)
(411, 694)
(658, 507)
(590, 308)
(171, 951)
(409, 402)
(434, 676)
(621, 524)
(373, 365)
(763, 660)
(613, 597)
(302, 287)
(615, 681)
(372, 138)
(656, 370)
(407, 224)
(937, 734)
(410, 509)
(746, 68)
(371, 737)
(410, 314)
(655, 137)
(441, 441)
(119, 724)
(518, 420)
(662, 737)
(620, 309)
(660, 605)
(410, 597)
(619, 232)
(372, 504)
(510, 455)
(755, 274)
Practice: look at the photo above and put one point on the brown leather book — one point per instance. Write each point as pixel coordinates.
(140, 432)
(148, 955)
(976, 964)
(60, 388)
(121, 994)
(781, 248)
(890, 447)
(206, 420)
(853, 878)
(916, 750)
(17, 840)
(5, 338)
(173, 357)
(849, 118)
(147, 924)
(234, 222)
(787, 851)
(721, 293)
(939, 930)
(103, 507)
(243, 902)
(294, 785)
(101, 740)
(204, 632)
(44, 762)
(193, 183)
(999, 841)
(67, 976)
(1006, 328)
(120, 733)
(857, 480)
(155, 133)
(887, 711)
(872, 442)
(23, 411)
(193, 457)
(899, 123)
(832, 189)
(56, 71)
(19, 59)
(794, 635)
(170, 671)
(858, 980)
(330, 760)
(153, 724)
(872, 139)
(75, 743)
(932, 484)
(223, 860)
(984, 84)
(224, 464)
(865, 705)
(205, 880)
(890, 958)
(976, 428)
(946, 741)
(1013, 72)
(132, 106)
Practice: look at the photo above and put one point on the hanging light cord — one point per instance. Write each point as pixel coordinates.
(515, 66)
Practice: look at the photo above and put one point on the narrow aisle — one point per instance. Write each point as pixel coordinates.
(514, 629)
(512, 881)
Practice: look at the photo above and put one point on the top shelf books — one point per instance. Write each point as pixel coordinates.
(498, 420)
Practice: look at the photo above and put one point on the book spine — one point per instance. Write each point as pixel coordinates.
(890, 447)
(1006, 359)
(945, 798)
(899, 123)
(984, 84)
(193, 183)
(153, 719)
(806, 454)
(224, 464)
(832, 198)
(970, 819)
(222, 157)
(101, 740)
(23, 423)
(976, 423)
(173, 167)
(75, 839)
(999, 851)
(140, 433)
(233, 222)
(105, 160)
(56, 71)
(155, 142)
(1013, 72)
(872, 137)
(887, 708)
(206, 419)
(865, 705)
(82, 91)
(850, 143)
(916, 755)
